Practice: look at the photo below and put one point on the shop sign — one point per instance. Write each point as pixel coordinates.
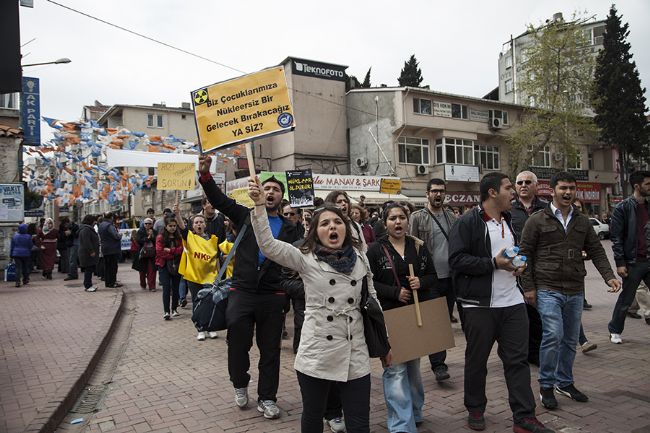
(310, 68)
(462, 173)
(462, 198)
(348, 183)
(479, 115)
(587, 192)
(442, 109)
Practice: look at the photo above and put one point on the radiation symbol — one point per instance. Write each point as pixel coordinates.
(201, 96)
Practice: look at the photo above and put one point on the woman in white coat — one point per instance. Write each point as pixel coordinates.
(332, 346)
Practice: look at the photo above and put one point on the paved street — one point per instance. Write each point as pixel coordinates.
(166, 381)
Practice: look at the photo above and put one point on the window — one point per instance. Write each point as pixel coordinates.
(541, 158)
(508, 86)
(413, 150)
(9, 100)
(590, 160)
(487, 157)
(154, 120)
(574, 162)
(508, 61)
(459, 111)
(422, 106)
(454, 151)
(499, 114)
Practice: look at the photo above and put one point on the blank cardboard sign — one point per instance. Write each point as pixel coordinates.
(408, 340)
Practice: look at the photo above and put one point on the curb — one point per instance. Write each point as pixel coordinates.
(52, 414)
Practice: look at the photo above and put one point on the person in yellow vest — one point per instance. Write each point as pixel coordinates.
(199, 264)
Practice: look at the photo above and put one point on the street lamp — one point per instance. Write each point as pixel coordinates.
(56, 62)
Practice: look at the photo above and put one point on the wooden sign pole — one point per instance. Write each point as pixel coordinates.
(416, 301)
(249, 157)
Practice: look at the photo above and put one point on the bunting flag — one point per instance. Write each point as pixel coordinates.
(72, 166)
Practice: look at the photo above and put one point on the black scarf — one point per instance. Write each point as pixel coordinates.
(342, 260)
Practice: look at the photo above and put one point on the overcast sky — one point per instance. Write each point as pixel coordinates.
(456, 42)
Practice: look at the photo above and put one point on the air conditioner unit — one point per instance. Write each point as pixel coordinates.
(495, 123)
(558, 156)
(362, 162)
(422, 169)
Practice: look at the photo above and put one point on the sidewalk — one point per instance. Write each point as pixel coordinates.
(166, 381)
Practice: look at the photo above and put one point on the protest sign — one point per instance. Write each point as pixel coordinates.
(242, 109)
(408, 340)
(300, 188)
(390, 186)
(176, 175)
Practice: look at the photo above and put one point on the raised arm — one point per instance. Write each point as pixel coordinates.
(220, 201)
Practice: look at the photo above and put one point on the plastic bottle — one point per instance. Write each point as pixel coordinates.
(519, 261)
(511, 252)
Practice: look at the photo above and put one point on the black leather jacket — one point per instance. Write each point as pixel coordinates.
(622, 231)
(520, 216)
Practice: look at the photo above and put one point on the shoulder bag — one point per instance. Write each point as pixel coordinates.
(374, 327)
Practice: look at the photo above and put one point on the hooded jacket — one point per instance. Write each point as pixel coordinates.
(21, 243)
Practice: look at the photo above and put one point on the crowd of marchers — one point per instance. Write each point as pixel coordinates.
(513, 267)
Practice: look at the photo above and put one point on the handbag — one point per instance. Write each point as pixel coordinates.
(148, 250)
(374, 327)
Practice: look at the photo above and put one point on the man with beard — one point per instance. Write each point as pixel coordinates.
(256, 300)
(524, 205)
(630, 247)
(432, 225)
(553, 241)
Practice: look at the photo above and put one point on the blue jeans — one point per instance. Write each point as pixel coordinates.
(404, 395)
(561, 315)
(182, 289)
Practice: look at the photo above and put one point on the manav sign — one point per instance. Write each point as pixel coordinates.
(242, 109)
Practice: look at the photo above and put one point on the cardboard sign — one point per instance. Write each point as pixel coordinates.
(300, 188)
(390, 186)
(176, 175)
(410, 341)
(242, 109)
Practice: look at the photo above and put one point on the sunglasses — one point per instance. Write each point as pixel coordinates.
(527, 182)
(147, 224)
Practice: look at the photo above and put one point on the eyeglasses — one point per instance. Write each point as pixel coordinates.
(289, 214)
(147, 224)
(527, 182)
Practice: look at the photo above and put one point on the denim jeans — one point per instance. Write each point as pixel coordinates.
(404, 395)
(182, 289)
(635, 273)
(561, 315)
(170, 288)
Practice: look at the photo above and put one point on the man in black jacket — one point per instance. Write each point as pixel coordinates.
(630, 248)
(493, 306)
(524, 205)
(257, 299)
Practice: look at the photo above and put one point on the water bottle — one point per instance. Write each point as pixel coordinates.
(511, 252)
(519, 261)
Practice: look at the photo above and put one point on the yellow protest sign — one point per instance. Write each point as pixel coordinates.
(390, 186)
(243, 109)
(176, 175)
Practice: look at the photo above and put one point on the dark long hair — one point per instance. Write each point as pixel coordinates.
(311, 240)
(169, 239)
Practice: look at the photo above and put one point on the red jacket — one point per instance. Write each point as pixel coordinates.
(162, 256)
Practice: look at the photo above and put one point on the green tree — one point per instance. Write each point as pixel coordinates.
(618, 99)
(556, 77)
(411, 75)
(366, 81)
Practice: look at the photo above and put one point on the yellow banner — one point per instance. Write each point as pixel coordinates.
(390, 186)
(176, 175)
(243, 109)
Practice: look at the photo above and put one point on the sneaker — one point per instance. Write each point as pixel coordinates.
(183, 302)
(200, 336)
(548, 398)
(241, 397)
(166, 316)
(91, 289)
(269, 409)
(175, 313)
(588, 346)
(572, 392)
(453, 319)
(441, 373)
(337, 424)
(213, 334)
(615, 338)
(530, 425)
(70, 278)
(476, 421)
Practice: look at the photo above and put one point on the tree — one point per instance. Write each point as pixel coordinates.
(617, 97)
(366, 81)
(556, 78)
(411, 75)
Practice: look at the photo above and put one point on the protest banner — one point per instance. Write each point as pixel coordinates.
(242, 109)
(390, 186)
(300, 188)
(176, 176)
(408, 340)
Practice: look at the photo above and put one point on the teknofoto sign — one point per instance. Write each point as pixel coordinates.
(314, 69)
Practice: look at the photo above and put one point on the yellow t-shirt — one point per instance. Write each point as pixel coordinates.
(199, 262)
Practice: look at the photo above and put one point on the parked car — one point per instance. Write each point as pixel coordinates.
(602, 230)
